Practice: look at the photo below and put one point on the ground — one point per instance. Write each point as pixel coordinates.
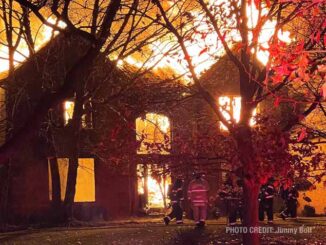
(152, 231)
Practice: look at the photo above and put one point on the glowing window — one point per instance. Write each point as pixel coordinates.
(153, 133)
(87, 117)
(85, 183)
(68, 111)
(231, 106)
(156, 183)
(62, 164)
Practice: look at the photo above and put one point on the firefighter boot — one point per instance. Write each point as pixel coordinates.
(166, 220)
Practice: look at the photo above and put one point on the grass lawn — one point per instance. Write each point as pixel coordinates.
(154, 232)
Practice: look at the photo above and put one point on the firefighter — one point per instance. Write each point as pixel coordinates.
(266, 199)
(290, 196)
(198, 195)
(176, 197)
(232, 196)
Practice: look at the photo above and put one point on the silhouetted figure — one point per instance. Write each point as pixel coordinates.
(266, 200)
(176, 197)
(290, 196)
(232, 196)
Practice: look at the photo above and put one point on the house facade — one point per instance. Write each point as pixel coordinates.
(132, 144)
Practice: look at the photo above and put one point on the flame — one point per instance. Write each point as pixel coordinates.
(155, 189)
(267, 31)
(68, 110)
(253, 118)
(19, 57)
(162, 122)
(44, 35)
(161, 57)
(203, 60)
(155, 128)
(155, 197)
(231, 105)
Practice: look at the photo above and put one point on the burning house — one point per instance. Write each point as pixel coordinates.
(136, 134)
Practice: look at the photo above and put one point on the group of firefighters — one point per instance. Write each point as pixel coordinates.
(197, 195)
(231, 198)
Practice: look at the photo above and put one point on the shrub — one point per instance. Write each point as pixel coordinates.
(309, 211)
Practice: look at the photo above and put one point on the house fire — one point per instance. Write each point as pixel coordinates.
(130, 150)
(136, 134)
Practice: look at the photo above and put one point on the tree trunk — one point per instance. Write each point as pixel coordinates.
(55, 177)
(74, 153)
(247, 158)
(71, 187)
(250, 214)
(56, 191)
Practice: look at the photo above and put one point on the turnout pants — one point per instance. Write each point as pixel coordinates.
(291, 208)
(199, 212)
(176, 212)
(266, 206)
(234, 211)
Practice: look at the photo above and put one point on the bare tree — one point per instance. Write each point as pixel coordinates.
(228, 19)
